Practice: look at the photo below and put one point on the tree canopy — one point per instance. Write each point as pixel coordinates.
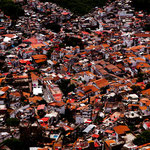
(141, 5)
(65, 86)
(136, 89)
(147, 86)
(79, 7)
(53, 26)
(72, 41)
(11, 9)
(12, 122)
(143, 138)
(14, 144)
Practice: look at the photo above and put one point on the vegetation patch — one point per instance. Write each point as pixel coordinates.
(79, 7)
(11, 9)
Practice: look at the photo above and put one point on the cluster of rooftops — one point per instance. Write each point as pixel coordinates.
(82, 96)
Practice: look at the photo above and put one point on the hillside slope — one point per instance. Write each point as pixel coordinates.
(79, 7)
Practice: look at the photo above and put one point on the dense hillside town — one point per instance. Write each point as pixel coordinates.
(72, 82)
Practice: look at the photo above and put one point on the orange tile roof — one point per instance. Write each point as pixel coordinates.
(4, 89)
(1, 79)
(103, 72)
(135, 105)
(80, 94)
(146, 92)
(139, 58)
(64, 68)
(101, 83)
(136, 47)
(69, 56)
(17, 94)
(116, 70)
(37, 45)
(98, 67)
(91, 47)
(20, 77)
(121, 129)
(55, 62)
(108, 142)
(35, 99)
(84, 101)
(26, 94)
(144, 100)
(39, 57)
(83, 107)
(140, 84)
(120, 66)
(142, 146)
(105, 45)
(143, 107)
(147, 56)
(90, 88)
(33, 76)
(41, 107)
(3, 96)
(9, 35)
(57, 104)
(40, 60)
(148, 103)
(111, 67)
(143, 65)
(89, 73)
(142, 35)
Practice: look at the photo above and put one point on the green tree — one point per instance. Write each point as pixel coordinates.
(15, 144)
(136, 89)
(104, 90)
(141, 5)
(12, 122)
(79, 7)
(69, 114)
(118, 97)
(31, 136)
(147, 86)
(132, 128)
(11, 9)
(143, 138)
(98, 120)
(42, 102)
(140, 76)
(50, 52)
(72, 41)
(147, 27)
(56, 65)
(53, 26)
(65, 86)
